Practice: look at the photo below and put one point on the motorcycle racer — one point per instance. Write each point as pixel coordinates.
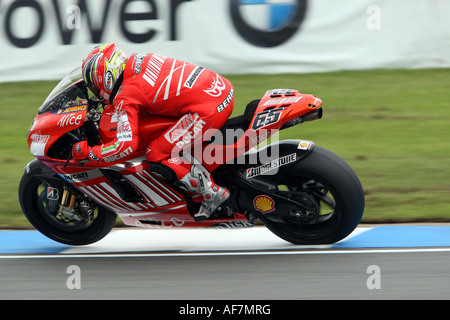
(151, 83)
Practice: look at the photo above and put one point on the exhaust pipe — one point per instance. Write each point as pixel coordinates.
(313, 115)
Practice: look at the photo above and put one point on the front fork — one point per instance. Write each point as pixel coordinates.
(67, 204)
(70, 209)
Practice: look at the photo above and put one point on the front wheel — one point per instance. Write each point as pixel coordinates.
(79, 229)
(326, 180)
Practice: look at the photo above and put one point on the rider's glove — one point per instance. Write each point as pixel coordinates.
(80, 150)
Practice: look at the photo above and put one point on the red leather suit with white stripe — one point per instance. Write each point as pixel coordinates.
(159, 85)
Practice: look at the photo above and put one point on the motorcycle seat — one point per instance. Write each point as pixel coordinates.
(240, 122)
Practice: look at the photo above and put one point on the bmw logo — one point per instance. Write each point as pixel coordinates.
(267, 23)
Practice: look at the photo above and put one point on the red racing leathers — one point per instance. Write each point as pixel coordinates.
(159, 85)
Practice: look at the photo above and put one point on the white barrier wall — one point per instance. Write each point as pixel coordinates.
(44, 39)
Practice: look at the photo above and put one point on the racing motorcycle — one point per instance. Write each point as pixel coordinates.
(301, 192)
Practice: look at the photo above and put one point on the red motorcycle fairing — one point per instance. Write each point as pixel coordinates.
(278, 109)
(48, 127)
(159, 205)
(129, 188)
(42, 134)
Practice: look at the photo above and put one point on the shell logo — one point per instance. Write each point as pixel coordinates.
(305, 145)
(264, 204)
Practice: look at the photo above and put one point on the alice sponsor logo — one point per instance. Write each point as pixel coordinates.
(70, 119)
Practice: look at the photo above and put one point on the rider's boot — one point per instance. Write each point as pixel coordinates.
(212, 194)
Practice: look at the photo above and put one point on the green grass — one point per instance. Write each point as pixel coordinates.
(19, 103)
(391, 126)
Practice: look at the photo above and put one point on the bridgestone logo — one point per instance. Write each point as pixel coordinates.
(193, 77)
(265, 168)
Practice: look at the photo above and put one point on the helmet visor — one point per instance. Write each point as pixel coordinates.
(88, 70)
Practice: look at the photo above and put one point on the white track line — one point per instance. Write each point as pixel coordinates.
(202, 254)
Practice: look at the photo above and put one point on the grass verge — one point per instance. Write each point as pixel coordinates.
(391, 126)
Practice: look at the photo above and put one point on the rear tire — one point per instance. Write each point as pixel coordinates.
(332, 183)
(32, 201)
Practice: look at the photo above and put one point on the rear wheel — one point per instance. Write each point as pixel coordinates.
(331, 191)
(84, 224)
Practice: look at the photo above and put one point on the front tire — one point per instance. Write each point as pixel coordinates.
(331, 182)
(32, 199)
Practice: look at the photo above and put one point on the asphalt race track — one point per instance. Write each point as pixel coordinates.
(381, 262)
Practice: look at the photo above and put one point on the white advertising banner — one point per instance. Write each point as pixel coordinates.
(44, 39)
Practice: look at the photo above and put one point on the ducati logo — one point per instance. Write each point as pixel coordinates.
(266, 23)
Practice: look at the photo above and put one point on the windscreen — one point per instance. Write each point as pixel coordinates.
(71, 97)
(70, 91)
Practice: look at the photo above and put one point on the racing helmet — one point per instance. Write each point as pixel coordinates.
(102, 68)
